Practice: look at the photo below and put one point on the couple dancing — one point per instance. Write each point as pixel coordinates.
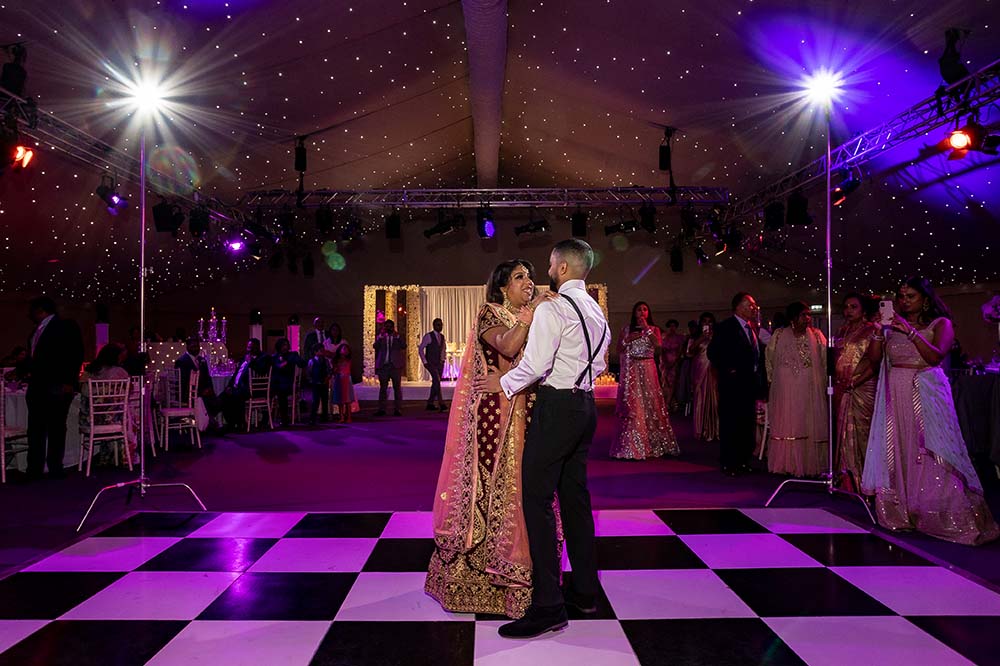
(515, 444)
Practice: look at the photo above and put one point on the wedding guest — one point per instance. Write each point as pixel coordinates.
(338, 352)
(735, 354)
(135, 360)
(917, 464)
(704, 381)
(433, 354)
(389, 361)
(283, 364)
(671, 351)
(643, 424)
(18, 362)
(777, 321)
(684, 389)
(796, 367)
(314, 339)
(56, 354)
(190, 361)
(853, 389)
(318, 374)
(107, 365)
(234, 398)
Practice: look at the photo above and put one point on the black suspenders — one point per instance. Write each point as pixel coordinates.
(591, 354)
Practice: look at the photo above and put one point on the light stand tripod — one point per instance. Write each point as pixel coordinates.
(142, 483)
(827, 479)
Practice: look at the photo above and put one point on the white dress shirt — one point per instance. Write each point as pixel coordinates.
(38, 332)
(556, 351)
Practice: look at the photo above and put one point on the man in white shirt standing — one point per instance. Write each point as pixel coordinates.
(433, 354)
(565, 349)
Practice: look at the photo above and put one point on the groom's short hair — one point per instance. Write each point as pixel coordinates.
(577, 253)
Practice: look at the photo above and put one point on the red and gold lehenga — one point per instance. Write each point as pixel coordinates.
(481, 562)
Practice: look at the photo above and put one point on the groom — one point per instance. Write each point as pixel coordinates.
(565, 350)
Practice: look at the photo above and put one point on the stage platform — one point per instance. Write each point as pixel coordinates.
(420, 389)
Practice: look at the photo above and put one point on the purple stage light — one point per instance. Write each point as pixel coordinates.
(235, 246)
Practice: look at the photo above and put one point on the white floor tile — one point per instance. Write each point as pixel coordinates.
(393, 596)
(886, 641)
(315, 555)
(106, 554)
(671, 594)
(585, 643)
(629, 523)
(262, 643)
(155, 595)
(259, 525)
(410, 525)
(802, 521)
(746, 551)
(13, 632)
(923, 590)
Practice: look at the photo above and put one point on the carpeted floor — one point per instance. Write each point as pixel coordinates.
(391, 464)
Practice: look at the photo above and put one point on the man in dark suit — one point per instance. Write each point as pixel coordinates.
(433, 353)
(238, 391)
(193, 361)
(736, 355)
(314, 339)
(390, 357)
(56, 354)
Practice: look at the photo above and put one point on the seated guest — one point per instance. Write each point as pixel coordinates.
(318, 375)
(18, 360)
(135, 360)
(233, 399)
(283, 364)
(107, 365)
(193, 361)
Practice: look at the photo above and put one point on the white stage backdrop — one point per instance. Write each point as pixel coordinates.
(456, 307)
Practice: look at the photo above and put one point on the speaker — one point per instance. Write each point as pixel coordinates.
(578, 224)
(798, 209)
(167, 217)
(665, 157)
(774, 216)
(393, 226)
(300, 156)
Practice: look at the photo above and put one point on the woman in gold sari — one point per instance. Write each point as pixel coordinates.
(481, 562)
(853, 390)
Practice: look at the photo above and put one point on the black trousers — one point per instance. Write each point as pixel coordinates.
(321, 397)
(555, 461)
(385, 373)
(233, 404)
(47, 412)
(435, 370)
(737, 424)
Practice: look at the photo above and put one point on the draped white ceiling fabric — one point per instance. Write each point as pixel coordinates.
(455, 306)
(486, 38)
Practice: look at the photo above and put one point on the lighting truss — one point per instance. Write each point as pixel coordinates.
(526, 197)
(950, 106)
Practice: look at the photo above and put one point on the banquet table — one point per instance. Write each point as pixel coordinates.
(17, 417)
(977, 403)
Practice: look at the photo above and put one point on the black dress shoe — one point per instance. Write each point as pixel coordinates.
(380, 412)
(397, 413)
(444, 408)
(430, 408)
(535, 622)
(584, 603)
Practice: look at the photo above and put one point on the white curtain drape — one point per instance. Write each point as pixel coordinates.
(456, 307)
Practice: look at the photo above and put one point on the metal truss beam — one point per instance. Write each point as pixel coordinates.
(606, 197)
(949, 106)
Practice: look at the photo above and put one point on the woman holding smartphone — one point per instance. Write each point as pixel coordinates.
(917, 465)
(706, 384)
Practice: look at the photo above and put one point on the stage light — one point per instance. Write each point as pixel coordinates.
(22, 157)
(699, 254)
(840, 193)
(485, 226)
(145, 96)
(677, 259)
(167, 217)
(107, 192)
(393, 226)
(255, 251)
(445, 226)
(628, 226)
(235, 245)
(532, 227)
(578, 224)
(300, 155)
(960, 139)
(324, 220)
(972, 136)
(823, 87)
(647, 217)
(198, 221)
(720, 248)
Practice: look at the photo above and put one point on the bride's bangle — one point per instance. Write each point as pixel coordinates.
(912, 334)
(521, 323)
(877, 338)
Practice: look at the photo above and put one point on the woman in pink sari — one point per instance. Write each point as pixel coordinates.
(481, 562)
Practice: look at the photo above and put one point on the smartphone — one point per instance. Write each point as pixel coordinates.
(706, 329)
(885, 312)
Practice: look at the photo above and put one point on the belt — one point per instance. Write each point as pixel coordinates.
(570, 391)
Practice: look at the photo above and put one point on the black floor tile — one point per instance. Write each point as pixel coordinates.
(400, 555)
(973, 636)
(221, 554)
(43, 595)
(159, 523)
(604, 609)
(282, 596)
(709, 521)
(854, 550)
(799, 592)
(716, 642)
(398, 643)
(345, 525)
(645, 552)
(93, 643)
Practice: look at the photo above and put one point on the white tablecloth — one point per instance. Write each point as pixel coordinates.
(17, 417)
